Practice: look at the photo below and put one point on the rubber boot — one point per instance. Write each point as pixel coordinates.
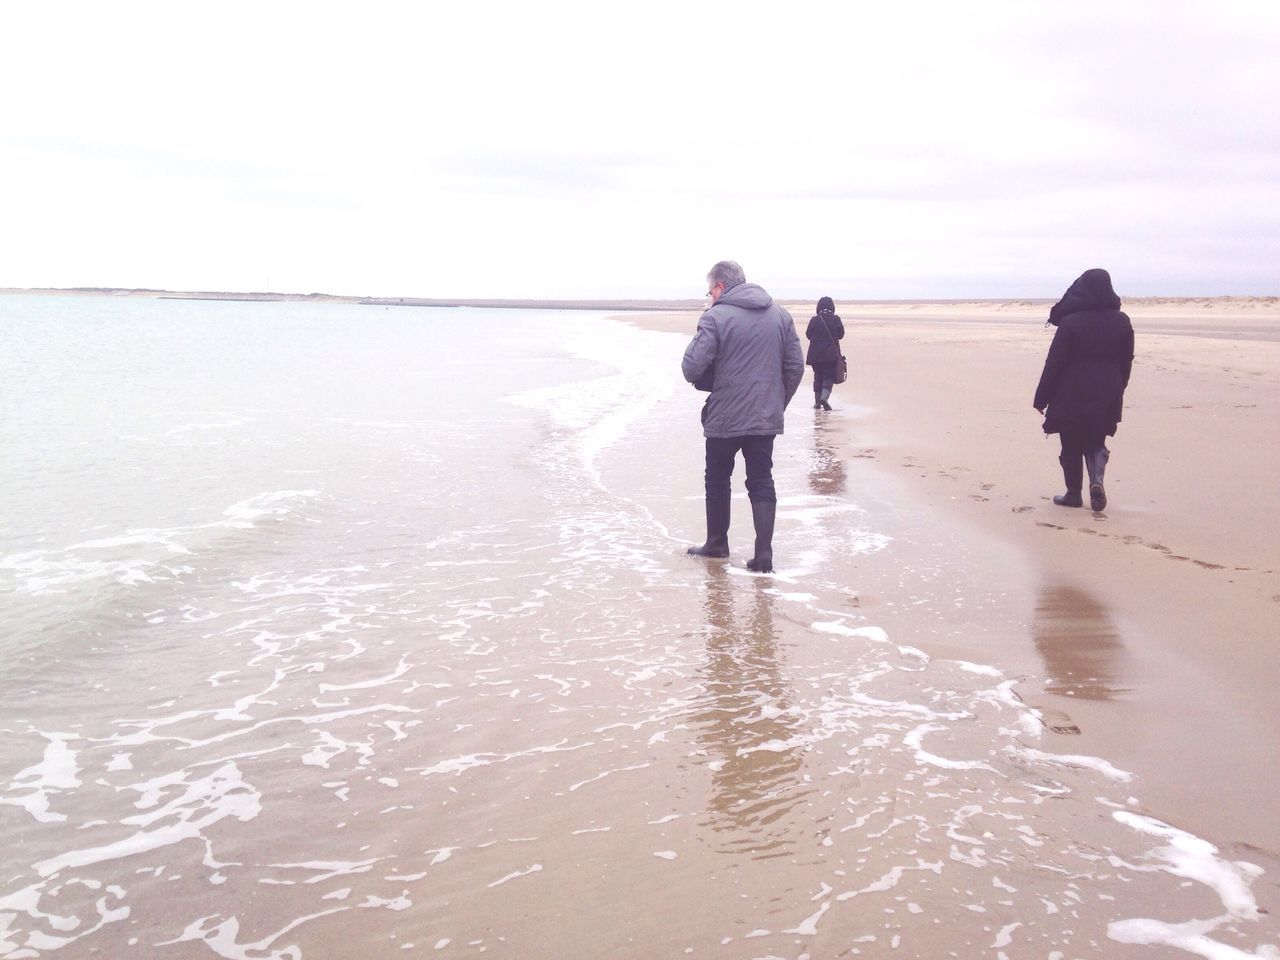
(823, 397)
(1073, 474)
(1095, 462)
(763, 515)
(717, 544)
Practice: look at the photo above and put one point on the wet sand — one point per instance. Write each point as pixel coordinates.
(1152, 636)
(422, 670)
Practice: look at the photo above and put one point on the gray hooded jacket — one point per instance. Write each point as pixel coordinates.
(749, 343)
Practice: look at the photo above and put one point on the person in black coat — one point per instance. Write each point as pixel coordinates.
(1084, 379)
(825, 331)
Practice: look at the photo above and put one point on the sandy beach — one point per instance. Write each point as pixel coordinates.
(1152, 633)
(318, 634)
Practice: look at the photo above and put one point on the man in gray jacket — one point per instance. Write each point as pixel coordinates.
(746, 347)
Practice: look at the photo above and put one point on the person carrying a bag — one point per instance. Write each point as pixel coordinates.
(825, 331)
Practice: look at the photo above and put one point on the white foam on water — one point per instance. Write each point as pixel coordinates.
(222, 938)
(517, 874)
(205, 802)
(457, 765)
(891, 879)
(600, 412)
(875, 634)
(328, 869)
(805, 598)
(27, 900)
(324, 751)
(1069, 760)
(1005, 936)
(978, 668)
(57, 771)
(38, 940)
(401, 669)
(607, 773)
(915, 740)
(1186, 855)
(808, 927)
(53, 570)
(1191, 936)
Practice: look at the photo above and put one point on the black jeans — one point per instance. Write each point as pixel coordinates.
(758, 454)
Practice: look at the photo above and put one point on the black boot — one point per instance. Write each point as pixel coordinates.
(1095, 462)
(1073, 474)
(763, 515)
(822, 399)
(717, 544)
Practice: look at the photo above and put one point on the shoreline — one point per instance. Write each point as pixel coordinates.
(966, 309)
(1155, 621)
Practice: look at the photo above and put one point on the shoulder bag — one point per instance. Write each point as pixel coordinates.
(842, 366)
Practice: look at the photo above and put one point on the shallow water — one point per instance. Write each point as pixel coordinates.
(360, 626)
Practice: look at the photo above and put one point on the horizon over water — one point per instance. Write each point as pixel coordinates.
(336, 624)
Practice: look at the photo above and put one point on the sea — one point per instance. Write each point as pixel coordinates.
(350, 631)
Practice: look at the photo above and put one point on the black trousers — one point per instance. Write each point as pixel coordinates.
(1077, 442)
(824, 375)
(758, 454)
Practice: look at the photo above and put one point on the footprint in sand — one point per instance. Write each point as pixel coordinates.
(986, 486)
(1058, 722)
(1051, 526)
(1021, 509)
(1209, 566)
(974, 496)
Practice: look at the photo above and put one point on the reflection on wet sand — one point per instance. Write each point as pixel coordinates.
(745, 722)
(827, 472)
(1078, 642)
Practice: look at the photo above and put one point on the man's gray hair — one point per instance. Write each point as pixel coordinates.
(727, 272)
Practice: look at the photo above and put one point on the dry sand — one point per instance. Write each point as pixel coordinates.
(1155, 627)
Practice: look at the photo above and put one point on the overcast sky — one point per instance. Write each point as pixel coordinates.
(869, 150)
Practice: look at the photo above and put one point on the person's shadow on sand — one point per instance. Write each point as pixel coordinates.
(744, 721)
(1080, 647)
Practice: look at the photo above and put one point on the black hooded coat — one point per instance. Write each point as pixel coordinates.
(1089, 361)
(825, 331)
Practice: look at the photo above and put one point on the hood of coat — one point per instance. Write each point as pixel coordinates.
(1091, 291)
(747, 295)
